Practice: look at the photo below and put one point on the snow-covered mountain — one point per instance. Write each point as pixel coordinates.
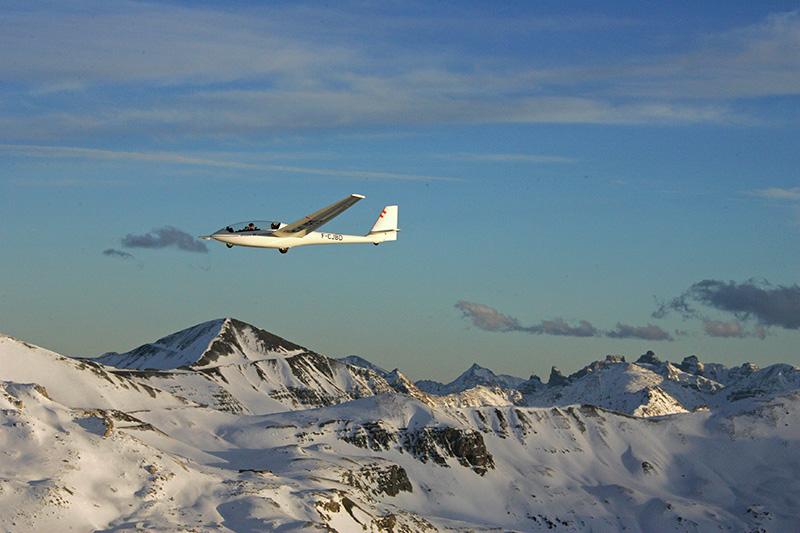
(79, 383)
(225, 341)
(356, 360)
(159, 446)
(470, 378)
(233, 366)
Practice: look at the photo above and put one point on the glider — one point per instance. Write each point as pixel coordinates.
(266, 234)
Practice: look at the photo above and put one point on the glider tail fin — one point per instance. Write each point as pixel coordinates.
(386, 226)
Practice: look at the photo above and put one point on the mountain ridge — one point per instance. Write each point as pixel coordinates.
(267, 439)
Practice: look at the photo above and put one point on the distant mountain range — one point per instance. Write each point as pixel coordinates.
(225, 426)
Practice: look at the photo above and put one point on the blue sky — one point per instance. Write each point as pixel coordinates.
(555, 164)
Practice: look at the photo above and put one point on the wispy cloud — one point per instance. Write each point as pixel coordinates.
(225, 161)
(65, 183)
(778, 193)
(754, 61)
(201, 71)
(119, 254)
(490, 319)
(166, 237)
(508, 158)
(32, 150)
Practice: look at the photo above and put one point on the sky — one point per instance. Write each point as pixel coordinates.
(574, 179)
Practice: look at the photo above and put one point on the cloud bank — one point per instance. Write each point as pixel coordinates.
(490, 319)
(166, 237)
(285, 68)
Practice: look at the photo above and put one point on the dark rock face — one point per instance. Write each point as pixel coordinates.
(371, 435)
(649, 358)
(379, 479)
(742, 372)
(304, 397)
(533, 384)
(426, 444)
(692, 365)
(467, 446)
(557, 378)
(502, 425)
(305, 365)
(524, 425)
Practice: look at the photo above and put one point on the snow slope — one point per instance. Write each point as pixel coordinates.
(77, 383)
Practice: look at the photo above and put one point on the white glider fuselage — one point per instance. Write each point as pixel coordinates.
(265, 234)
(267, 240)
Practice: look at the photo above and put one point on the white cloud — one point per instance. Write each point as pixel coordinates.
(212, 72)
(509, 158)
(225, 161)
(778, 193)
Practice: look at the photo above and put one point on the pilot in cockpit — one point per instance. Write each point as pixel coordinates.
(275, 225)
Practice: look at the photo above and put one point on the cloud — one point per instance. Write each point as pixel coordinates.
(753, 61)
(769, 305)
(111, 252)
(650, 332)
(489, 319)
(732, 329)
(778, 193)
(509, 158)
(718, 328)
(33, 150)
(304, 67)
(559, 326)
(168, 236)
(222, 161)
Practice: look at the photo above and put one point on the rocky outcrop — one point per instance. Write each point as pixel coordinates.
(435, 444)
(378, 479)
(649, 358)
(439, 443)
(557, 378)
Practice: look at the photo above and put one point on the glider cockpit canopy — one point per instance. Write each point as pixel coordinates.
(252, 226)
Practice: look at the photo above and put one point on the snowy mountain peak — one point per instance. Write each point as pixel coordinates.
(472, 377)
(358, 361)
(209, 344)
